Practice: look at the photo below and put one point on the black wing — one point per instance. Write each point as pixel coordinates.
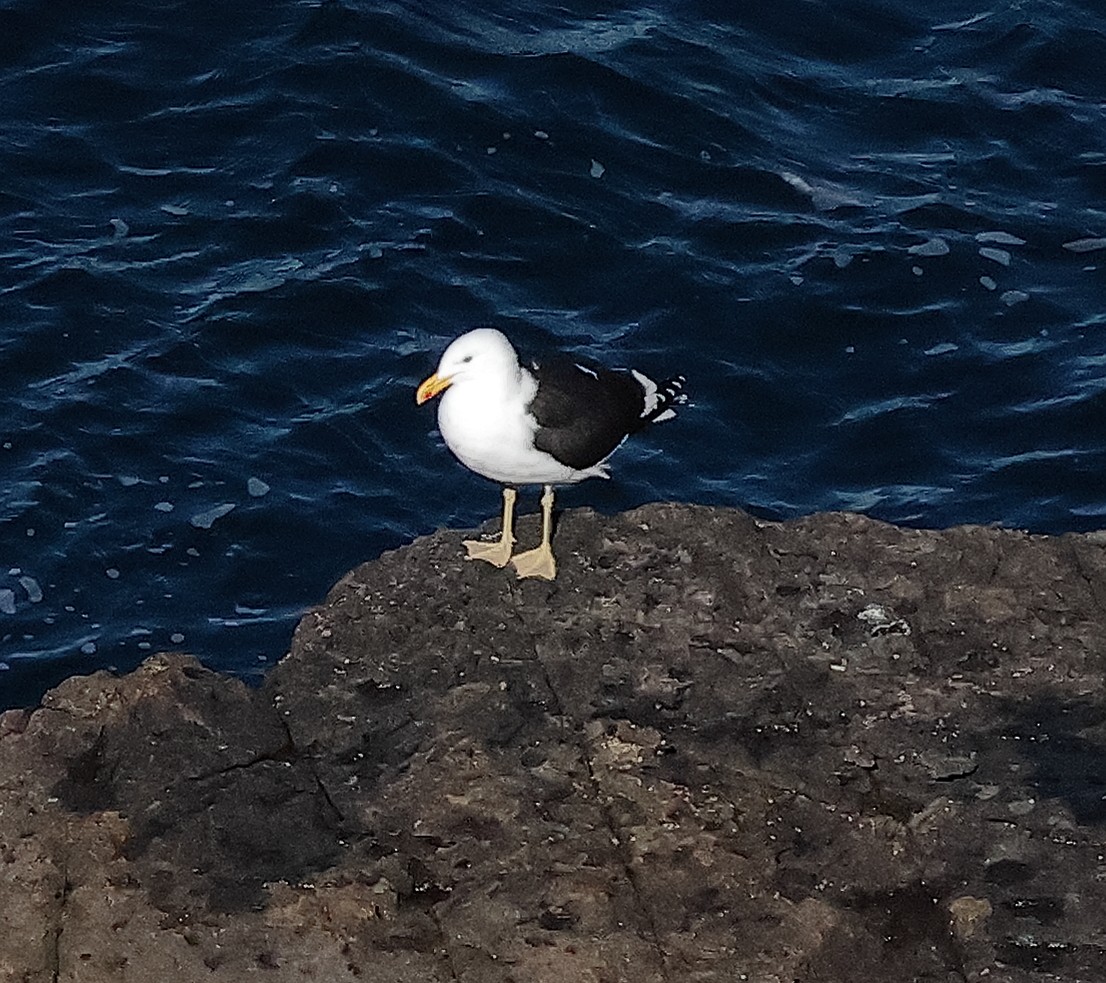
(584, 411)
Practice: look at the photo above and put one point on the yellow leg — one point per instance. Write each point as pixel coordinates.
(540, 562)
(499, 552)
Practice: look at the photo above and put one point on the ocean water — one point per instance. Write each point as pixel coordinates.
(235, 236)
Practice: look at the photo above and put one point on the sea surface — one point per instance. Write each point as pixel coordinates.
(234, 236)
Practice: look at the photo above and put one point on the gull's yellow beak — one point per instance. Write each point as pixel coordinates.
(431, 387)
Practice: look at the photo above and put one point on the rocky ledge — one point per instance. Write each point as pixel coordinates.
(716, 749)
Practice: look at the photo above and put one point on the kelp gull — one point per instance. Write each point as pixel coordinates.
(550, 423)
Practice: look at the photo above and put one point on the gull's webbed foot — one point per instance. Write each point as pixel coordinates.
(540, 562)
(536, 563)
(497, 553)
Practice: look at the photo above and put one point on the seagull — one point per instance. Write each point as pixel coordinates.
(552, 422)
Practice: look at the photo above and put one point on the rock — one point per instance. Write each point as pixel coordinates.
(714, 749)
(967, 915)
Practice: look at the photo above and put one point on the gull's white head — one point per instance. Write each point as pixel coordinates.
(483, 355)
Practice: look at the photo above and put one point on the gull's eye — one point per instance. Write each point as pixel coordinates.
(467, 358)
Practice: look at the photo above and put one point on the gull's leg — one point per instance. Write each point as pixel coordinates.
(540, 562)
(499, 552)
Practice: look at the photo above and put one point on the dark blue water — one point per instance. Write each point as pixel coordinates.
(236, 235)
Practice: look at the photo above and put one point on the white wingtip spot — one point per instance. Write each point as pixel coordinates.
(649, 388)
(657, 400)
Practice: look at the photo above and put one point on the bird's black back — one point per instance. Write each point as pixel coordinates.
(584, 411)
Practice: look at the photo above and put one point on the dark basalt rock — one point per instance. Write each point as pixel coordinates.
(714, 749)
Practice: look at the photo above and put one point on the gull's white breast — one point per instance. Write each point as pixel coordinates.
(489, 431)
